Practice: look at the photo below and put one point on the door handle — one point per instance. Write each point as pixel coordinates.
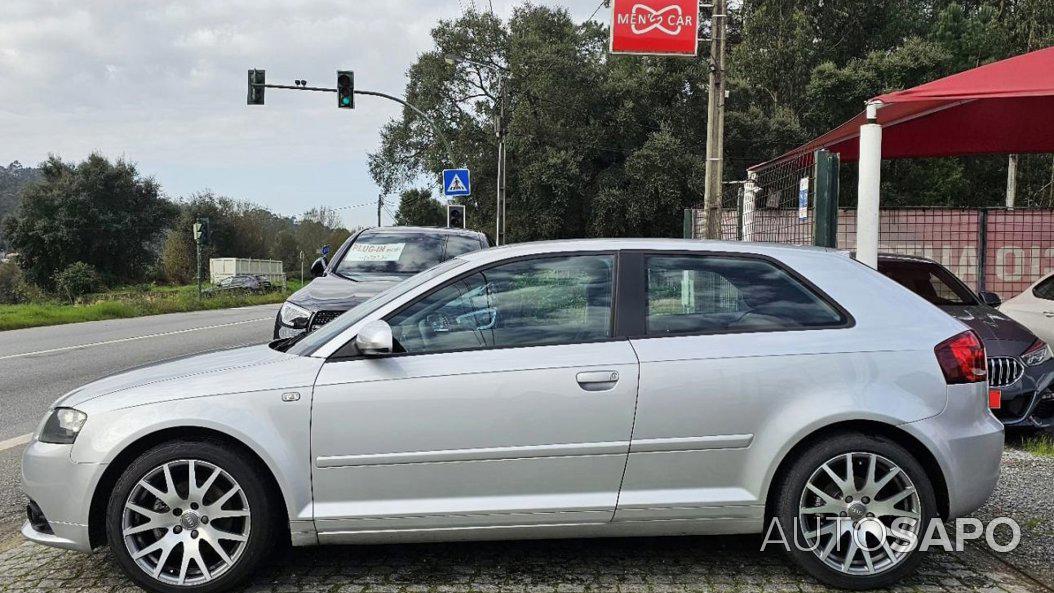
(597, 380)
(1048, 313)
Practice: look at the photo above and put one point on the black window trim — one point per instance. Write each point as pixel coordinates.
(1035, 289)
(942, 273)
(638, 330)
(347, 352)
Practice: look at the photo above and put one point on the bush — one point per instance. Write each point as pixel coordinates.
(78, 279)
(14, 288)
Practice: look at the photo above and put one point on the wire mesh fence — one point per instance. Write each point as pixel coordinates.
(775, 206)
(994, 249)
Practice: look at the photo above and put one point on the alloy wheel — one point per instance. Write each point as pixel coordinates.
(859, 512)
(186, 522)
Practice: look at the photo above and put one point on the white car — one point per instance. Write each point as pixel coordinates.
(1034, 309)
(541, 390)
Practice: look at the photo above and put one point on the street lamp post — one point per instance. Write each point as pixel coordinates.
(501, 132)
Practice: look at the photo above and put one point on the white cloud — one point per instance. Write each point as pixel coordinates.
(163, 83)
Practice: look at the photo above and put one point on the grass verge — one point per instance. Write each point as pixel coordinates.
(1040, 445)
(124, 304)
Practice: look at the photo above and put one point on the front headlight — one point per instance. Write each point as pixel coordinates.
(294, 316)
(62, 426)
(1038, 353)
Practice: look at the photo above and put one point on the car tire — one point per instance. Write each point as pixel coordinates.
(803, 513)
(154, 517)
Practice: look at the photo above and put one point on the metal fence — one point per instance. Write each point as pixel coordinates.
(995, 249)
(776, 205)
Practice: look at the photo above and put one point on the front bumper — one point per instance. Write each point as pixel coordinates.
(967, 441)
(62, 490)
(1029, 401)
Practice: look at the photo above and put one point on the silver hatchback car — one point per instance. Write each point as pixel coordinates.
(561, 389)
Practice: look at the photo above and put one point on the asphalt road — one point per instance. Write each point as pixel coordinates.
(39, 365)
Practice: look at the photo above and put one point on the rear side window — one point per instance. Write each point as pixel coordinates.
(713, 294)
(1045, 289)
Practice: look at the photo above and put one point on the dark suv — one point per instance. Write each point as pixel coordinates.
(1020, 365)
(369, 262)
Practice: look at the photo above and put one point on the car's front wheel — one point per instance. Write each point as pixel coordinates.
(190, 516)
(851, 508)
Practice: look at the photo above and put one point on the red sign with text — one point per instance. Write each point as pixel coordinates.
(661, 27)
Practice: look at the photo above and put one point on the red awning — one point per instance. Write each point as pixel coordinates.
(1003, 107)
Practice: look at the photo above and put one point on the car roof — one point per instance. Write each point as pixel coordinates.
(539, 247)
(898, 257)
(423, 229)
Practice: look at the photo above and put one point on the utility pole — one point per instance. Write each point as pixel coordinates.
(715, 121)
(380, 204)
(499, 131)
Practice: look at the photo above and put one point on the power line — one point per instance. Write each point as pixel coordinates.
(599, 6)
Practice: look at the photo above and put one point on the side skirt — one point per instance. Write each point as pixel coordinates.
(708, 526)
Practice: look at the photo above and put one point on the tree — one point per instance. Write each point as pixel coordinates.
(13, 178)
(98, 212)
(417, 207)
(78, 279)
(576, 118)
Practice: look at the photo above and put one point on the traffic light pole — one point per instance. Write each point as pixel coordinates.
(421, 114)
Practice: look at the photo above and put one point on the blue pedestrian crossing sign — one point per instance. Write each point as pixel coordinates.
(457, 182)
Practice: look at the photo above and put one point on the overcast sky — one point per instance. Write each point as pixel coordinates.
(163, 84)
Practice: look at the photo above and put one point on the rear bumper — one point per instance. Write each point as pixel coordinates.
(967, 441)
(62, 490)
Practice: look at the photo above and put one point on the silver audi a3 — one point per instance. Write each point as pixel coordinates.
(560, 389)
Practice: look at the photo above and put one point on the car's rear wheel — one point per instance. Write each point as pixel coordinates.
(852, 506)
(190, 516)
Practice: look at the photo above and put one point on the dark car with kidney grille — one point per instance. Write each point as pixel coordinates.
(368, 263)
(1020, 365)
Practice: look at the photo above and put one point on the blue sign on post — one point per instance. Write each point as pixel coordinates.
(457, 182)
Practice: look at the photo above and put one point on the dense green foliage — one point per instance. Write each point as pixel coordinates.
(104, 215)
(98, 212)
(77, 280)
(245, 230)
(13, 178)
(417, 207)
(605, 145)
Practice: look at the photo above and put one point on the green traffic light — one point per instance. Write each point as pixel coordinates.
(346, 100)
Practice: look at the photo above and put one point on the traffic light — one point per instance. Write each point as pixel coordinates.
(455, 216)
(256, 89)
(201, 231)
(345, 89)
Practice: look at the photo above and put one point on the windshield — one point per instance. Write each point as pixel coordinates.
(310, 342)
(401, 252)
(929, 281)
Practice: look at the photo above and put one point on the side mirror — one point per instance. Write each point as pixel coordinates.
(990, 298)
(318, 268)
(374, 339)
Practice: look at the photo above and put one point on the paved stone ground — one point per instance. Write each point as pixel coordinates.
(660, 565)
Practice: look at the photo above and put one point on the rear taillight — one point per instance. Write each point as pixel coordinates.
(962, 359)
